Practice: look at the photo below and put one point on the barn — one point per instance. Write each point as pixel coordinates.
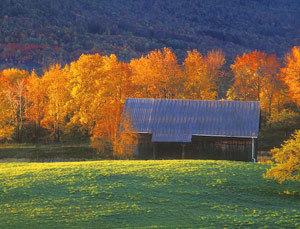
(194, 129)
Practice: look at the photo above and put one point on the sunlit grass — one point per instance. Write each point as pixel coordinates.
(118, 194)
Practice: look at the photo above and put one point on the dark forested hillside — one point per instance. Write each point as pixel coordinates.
(36, 33)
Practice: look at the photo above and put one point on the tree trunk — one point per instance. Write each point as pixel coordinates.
(57, 134)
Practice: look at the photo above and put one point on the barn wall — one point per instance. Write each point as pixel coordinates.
(220, 148)
(213, 148)
(145, 146)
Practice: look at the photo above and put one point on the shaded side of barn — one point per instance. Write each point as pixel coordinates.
(191, 129)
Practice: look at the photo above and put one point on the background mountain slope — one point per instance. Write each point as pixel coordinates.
(36, 33)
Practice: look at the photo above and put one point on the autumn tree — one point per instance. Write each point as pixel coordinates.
(287, 157)
(256, 77)
(6, 125)
(118, 87)
(114, 133)
(126, 139)
(215, 60)
(157, 75)
(288, 160)
(13, 96)
(201, 75)
(56, 96)
(291, 73)
(36, 91)
(85, 82)
(99, 86)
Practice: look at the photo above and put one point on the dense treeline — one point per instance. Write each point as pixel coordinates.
(39, 33)
(85, 99)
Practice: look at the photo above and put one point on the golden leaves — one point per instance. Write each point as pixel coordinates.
(256, 77)
(12, 102)
(158, 75)
(291, 73)
(200, 76)
(288, 160)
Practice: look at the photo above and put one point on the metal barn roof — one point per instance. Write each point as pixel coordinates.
(174, 120)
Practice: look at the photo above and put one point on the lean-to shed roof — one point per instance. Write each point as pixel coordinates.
(174, 120)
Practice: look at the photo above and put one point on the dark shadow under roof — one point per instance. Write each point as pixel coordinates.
(174, 120)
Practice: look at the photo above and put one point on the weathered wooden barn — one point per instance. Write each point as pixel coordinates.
(193, 129)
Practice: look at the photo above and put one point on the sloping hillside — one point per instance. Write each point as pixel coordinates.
(36, 33)
(144, 194)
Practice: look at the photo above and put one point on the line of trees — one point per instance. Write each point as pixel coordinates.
(86, 97)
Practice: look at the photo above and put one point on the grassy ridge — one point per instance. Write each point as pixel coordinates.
(144, 194)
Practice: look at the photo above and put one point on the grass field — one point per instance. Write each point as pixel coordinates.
(118, 194)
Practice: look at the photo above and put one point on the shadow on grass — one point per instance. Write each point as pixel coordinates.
(47, 152)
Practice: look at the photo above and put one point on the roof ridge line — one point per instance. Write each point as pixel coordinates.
(197, 100)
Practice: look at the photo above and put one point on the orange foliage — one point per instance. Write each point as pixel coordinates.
(287, 158)
(118, 87)
(215, 61)
(256, 77)
(291, 73)
(99, 86)
(158, 75)
(36, 92)
(13, 98)
(85, 79)
(6, 126)
(91, 92)
(56, 96)
(199, 83)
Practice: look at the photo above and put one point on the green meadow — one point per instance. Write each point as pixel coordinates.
(120, 194)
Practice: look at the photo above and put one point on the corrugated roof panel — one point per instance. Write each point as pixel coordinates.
(177, 120)
(172, 120)
(139, 112)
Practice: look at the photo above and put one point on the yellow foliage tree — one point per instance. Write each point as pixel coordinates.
(288, 156)
(6, 126)
(126, 139)
(158, 75)
(288, 160)
(256, 77)
(99, 86)
(215, 60)
(117, 87)
(291, 73)
(85, 82)
(13, 96)
(35, 111)
(115, 135)
(200, 81)
(56, 96)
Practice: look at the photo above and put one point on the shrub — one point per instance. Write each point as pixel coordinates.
(287, 160)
